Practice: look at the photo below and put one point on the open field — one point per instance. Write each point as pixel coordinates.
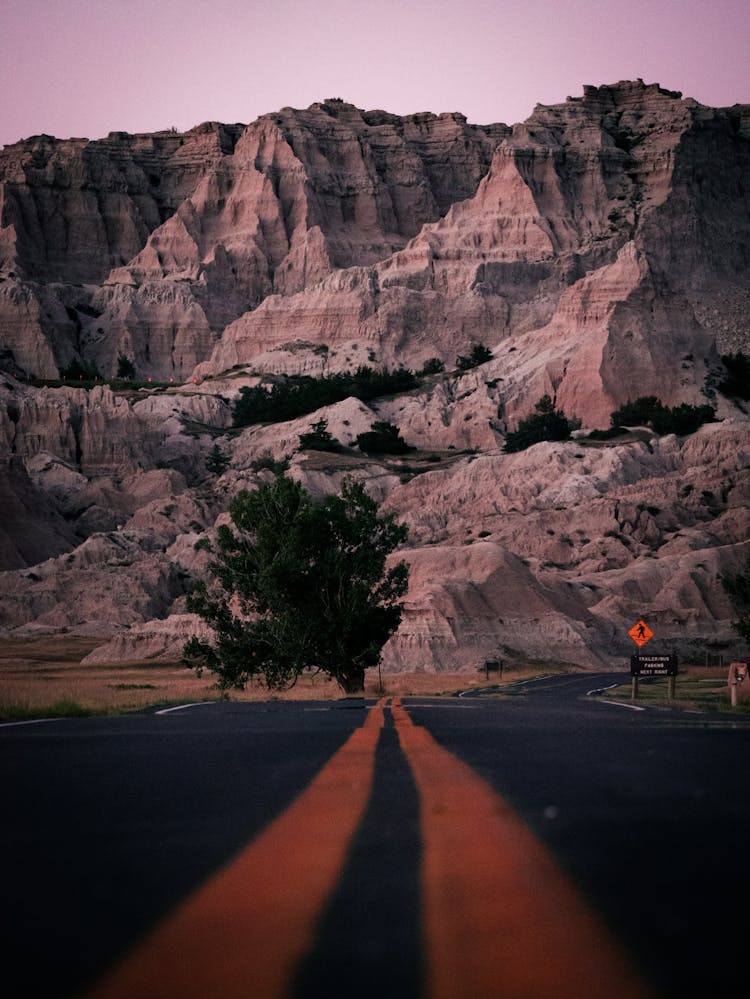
(44, 677)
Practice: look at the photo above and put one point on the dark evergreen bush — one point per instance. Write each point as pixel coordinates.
(638, 413)
(302, 394)
(319, 439)
(479, 355)
(650, 411)
(125, 368)
(546, 424)
(80, 371)
(383, 438)
(736, 383)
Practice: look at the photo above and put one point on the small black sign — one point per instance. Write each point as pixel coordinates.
(645, 665)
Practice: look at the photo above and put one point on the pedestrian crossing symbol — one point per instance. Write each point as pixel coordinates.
(641, 633)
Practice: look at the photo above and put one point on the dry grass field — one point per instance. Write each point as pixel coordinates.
(44, 677)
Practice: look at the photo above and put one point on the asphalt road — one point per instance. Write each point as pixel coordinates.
(109, 824)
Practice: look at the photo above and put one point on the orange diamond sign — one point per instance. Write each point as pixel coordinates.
(641, 633)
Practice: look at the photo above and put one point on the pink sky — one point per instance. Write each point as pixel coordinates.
(87, 67)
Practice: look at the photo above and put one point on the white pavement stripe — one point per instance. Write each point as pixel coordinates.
(621, 704)
(183, 707)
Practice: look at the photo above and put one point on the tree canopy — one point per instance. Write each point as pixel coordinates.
(383, 438)
(737, 585)
(681, 420)
(545, 424)
(300, 584)
(298, 395)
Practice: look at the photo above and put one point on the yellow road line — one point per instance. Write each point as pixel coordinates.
(244, 933)
(499, 917)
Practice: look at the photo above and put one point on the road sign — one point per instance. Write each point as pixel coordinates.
(641, 633)
(644, 665)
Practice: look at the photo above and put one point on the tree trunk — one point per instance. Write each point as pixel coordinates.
(353, 684)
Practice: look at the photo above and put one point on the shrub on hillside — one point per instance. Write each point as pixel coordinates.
(80, 371)
(545, 424)
(736, 383)
(479, 355)
(319, 438)
(650, 411)
(383, 438)
(432, 367)
(737, 585)
(299, 395)
(125, 368)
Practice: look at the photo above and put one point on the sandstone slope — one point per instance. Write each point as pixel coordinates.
(598, 249)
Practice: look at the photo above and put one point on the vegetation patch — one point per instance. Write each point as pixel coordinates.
(383, 438)
(545, 424)
(650, 411)
(11, 711)
(299, 584)
(298, 395)
(696, 689)
(736, 382)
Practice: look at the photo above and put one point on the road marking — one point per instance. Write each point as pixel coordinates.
(30, 721)
(499, 917)
(246, 931)
(621, 704)
(183, 707)
(597, 690)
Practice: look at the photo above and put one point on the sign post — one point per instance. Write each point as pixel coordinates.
(650, 665)
(640, 633)
(653, 665)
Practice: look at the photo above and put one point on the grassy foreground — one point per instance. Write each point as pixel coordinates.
(43, 677)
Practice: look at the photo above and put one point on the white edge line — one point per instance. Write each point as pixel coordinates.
(621, 704)
(31, 721)
(183, 707)
(598, 690)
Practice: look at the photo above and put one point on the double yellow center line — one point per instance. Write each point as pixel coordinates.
(499, 918)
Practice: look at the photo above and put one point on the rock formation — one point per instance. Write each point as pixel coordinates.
(598, 250)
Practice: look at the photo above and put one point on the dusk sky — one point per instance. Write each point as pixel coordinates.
(88, 67)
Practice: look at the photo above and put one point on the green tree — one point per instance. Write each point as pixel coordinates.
(636, 413)
(217, 462)
(125, 368)
(300, 584)
(479, 355)
(80, 371)
(383, 438)
(298, 395)
(648, 410)
(737, 585)
(432, 367)
(319, 438)
(736, 382)
(545, 424)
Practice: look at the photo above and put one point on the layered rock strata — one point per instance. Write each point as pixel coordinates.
(599, 250)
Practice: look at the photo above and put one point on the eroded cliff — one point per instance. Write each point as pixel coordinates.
(597, 250)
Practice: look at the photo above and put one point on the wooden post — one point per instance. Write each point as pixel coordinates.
(634, 689)
(671, 687)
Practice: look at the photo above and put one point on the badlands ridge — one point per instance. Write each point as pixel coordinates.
(600, 250)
